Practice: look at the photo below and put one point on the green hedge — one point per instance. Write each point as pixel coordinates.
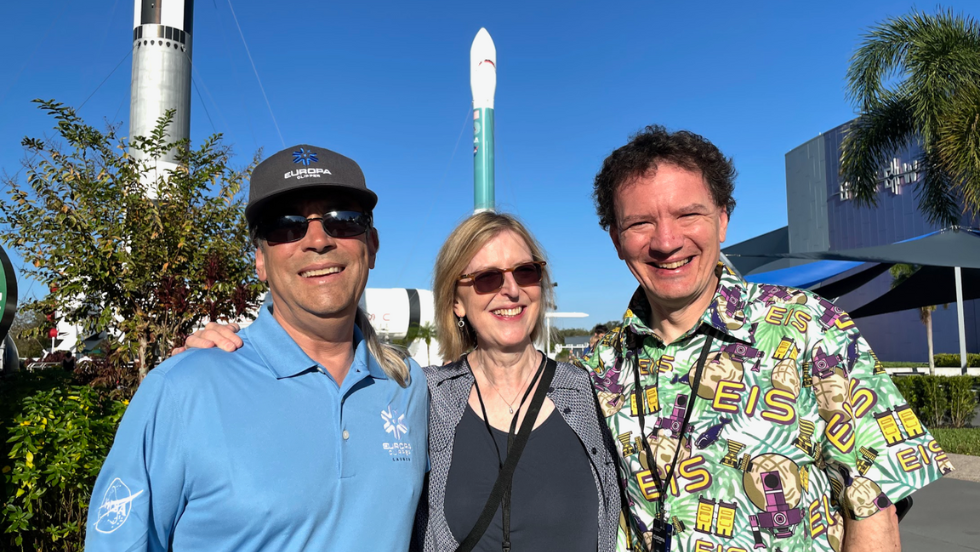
(939, 400)
(950, 360)
(55, 437)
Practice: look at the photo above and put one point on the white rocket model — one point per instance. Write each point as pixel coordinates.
(161, 72)
(483, 84)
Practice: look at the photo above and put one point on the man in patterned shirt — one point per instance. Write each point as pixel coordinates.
(792, 437)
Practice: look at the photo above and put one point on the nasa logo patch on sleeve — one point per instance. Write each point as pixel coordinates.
(116, 505)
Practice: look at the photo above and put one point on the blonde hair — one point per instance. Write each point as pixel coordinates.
(461, 246)
(392, 362)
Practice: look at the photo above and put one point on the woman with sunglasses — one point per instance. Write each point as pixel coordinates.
(491, 290)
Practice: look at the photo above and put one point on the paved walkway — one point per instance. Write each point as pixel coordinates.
(945, 516)
(967, 469)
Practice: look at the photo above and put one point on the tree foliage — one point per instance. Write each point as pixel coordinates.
(917, 78)
(427, 332)
(145, 271)
(24, 332)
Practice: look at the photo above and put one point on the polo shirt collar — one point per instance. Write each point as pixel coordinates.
(725, 313)
(286, 359)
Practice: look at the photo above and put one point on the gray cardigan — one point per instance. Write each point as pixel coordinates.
(571, 391)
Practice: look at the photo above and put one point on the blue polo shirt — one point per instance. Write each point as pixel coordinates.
(261, 450)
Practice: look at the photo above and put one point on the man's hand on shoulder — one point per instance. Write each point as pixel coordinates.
(222, 336)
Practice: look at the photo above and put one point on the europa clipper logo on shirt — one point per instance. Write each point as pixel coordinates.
(395, 425)
(305, 157)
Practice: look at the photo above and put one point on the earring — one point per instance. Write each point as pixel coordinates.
(461, 323)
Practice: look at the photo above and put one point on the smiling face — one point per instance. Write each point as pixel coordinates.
(503, 320)
(318, 277)
(669, 231)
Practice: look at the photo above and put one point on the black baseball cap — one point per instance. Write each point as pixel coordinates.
(305, 167)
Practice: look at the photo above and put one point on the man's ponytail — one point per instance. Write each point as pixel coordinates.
(391, 361)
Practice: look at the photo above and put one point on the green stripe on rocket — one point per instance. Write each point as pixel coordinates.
(483, 177)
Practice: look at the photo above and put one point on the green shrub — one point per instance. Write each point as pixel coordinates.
(57, 444)
(933, 401)
(940, 400)
(901, 364)
(952, 360)
(906, 386)
(962, 400)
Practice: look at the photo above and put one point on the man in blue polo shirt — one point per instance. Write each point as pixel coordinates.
(312, 436)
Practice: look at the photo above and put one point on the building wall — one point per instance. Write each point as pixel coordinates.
(895, 218)
(896, 336)
(806, 208)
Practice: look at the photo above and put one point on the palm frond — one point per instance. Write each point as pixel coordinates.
(959, 149)
(902, 272)
(942, 66)
(921, 74)
(879, 59)
(935, 192)
(869, 141)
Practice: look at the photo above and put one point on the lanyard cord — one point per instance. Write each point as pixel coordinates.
(505, 502)
(640, 402)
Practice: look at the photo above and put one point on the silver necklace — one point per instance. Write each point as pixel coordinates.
(510, 404)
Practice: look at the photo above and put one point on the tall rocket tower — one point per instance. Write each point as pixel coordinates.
(161, 71)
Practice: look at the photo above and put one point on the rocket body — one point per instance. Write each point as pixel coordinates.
(161, 79)
(483, 83)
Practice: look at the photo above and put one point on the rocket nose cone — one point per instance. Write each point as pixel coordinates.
(483, 48)
(483, 69)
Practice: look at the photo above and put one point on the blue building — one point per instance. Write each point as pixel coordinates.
(822, 216)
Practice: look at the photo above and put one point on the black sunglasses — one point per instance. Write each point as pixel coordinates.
(291, 228)
(492, 279)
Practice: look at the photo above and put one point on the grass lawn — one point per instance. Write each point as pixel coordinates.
(959, 441)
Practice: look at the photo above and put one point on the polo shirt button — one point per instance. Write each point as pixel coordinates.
(346, 435)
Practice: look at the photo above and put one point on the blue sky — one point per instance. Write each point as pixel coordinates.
(387, 83)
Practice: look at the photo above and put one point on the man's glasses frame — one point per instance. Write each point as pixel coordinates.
(492, 279)
(292, 228)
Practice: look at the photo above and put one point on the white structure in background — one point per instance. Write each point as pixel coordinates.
(398, 313)
(161, 73)
(547, 325)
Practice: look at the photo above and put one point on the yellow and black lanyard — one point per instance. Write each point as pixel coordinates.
(662, 530)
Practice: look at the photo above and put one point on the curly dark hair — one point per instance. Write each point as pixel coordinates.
(652, 146)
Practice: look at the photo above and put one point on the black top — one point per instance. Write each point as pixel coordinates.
(554, 504)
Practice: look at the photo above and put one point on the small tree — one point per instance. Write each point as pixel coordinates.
(145, 271)
(900, 273)
(427, 332)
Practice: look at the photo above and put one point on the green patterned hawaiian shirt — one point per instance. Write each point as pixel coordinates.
(793, 424)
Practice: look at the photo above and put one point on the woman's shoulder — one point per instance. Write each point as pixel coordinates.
(572, 373)
(437, 373)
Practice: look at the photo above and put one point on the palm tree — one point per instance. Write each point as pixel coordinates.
(427, 332)
(900, 273)
(916, 78)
